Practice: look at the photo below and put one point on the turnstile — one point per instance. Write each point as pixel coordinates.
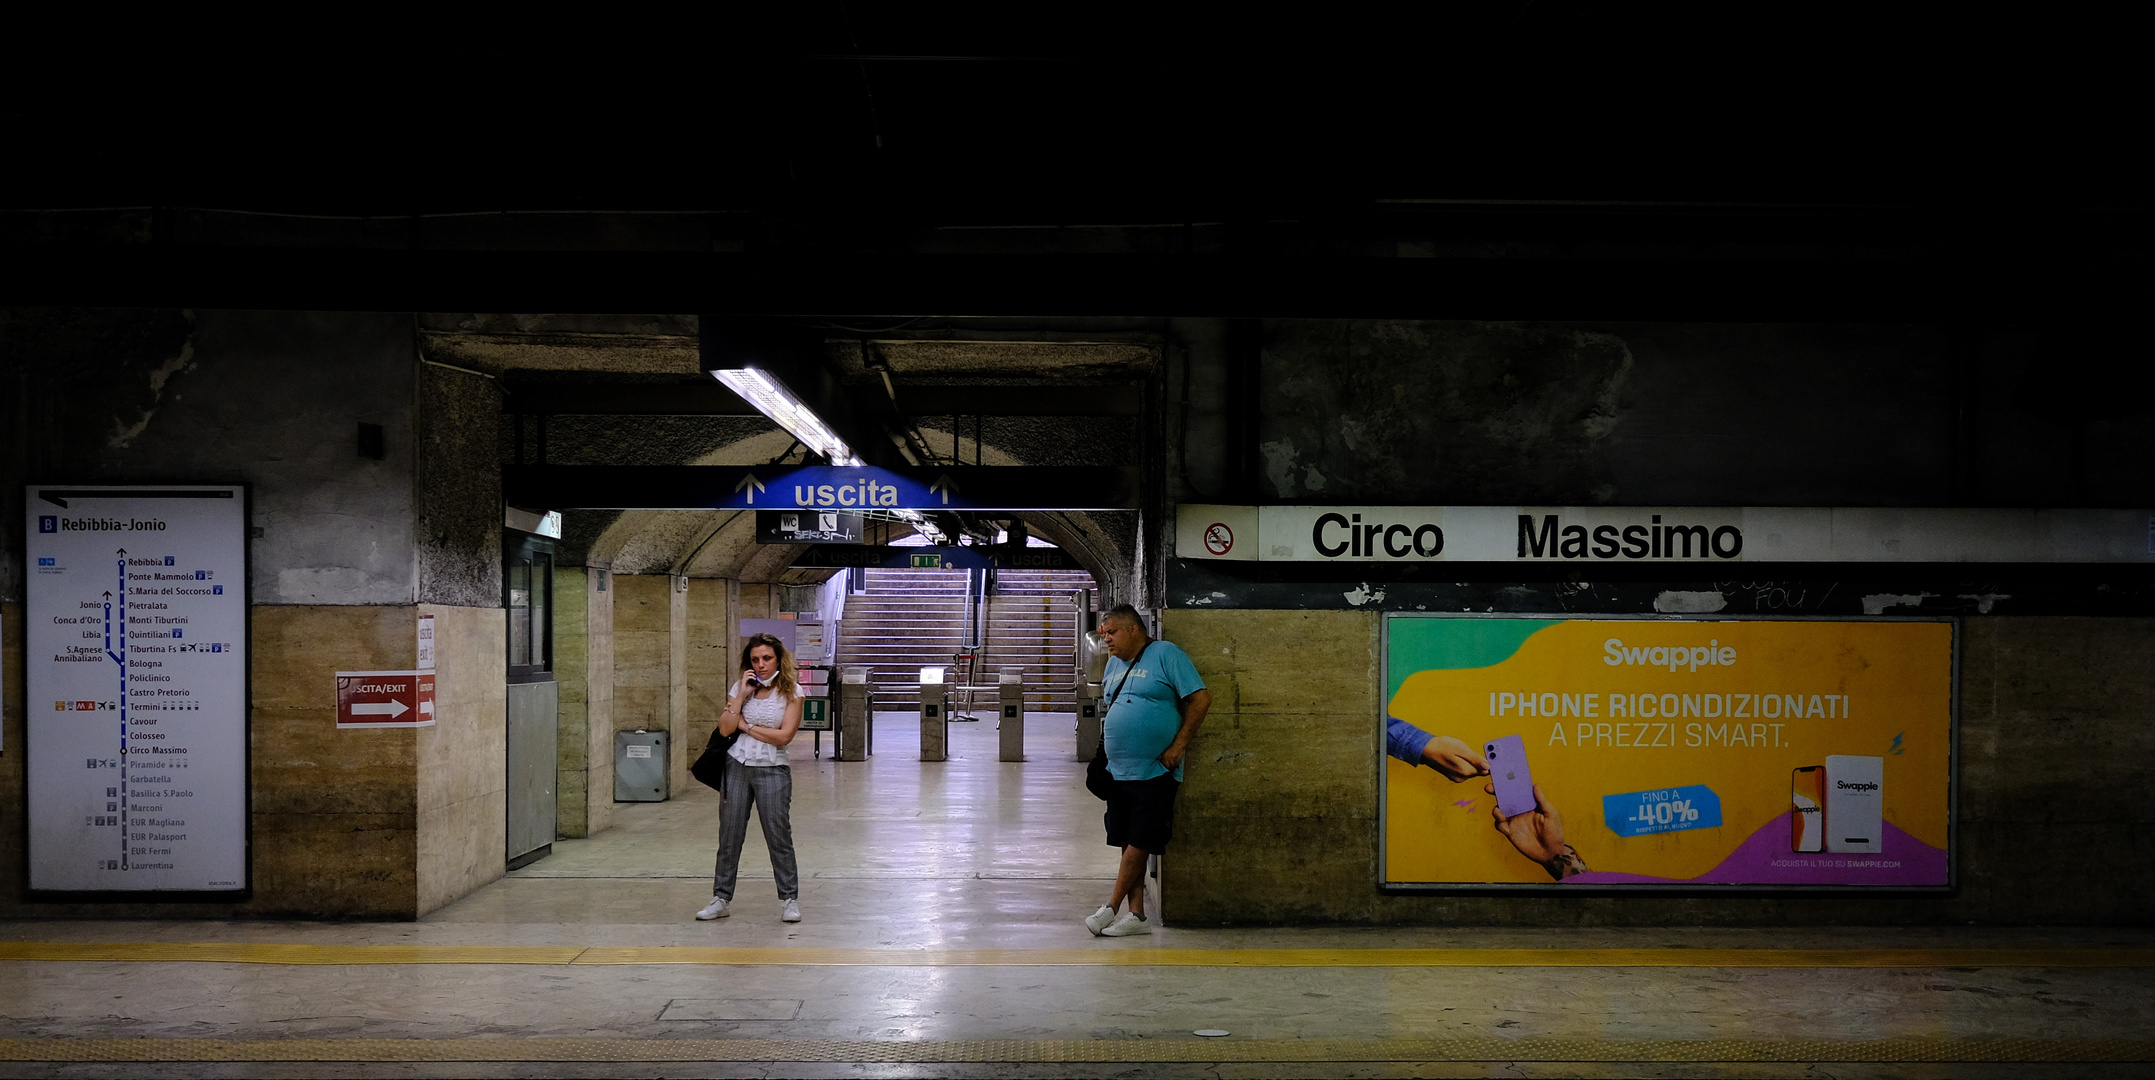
(934, 714)
(1011, 735)
(1092, 656)
(1089, 730)
(853, 706)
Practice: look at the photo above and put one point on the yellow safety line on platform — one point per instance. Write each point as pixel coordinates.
(1479, 1048)
(1165, 957)
(1106, 955)
(238, 952)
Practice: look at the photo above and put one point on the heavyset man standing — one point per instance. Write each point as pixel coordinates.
(1156, 702)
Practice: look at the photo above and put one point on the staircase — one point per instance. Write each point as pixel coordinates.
(907, 620)
(1031, 625)
(911, 619)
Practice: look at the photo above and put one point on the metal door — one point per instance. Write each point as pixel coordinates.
(534, 698)
(534, 714)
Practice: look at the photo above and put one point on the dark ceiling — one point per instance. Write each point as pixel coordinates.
(854, 116)
(824, 157)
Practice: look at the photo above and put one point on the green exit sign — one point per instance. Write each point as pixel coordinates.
(927, 562)
(815, 714)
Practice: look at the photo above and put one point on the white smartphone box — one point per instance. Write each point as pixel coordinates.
(1855, 801)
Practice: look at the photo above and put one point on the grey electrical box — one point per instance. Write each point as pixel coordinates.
(1010, 685)
(640, 772)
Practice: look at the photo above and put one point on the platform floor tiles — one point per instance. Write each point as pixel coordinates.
(942, 938)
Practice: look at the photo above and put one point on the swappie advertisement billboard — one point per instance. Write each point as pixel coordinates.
(1669, 753)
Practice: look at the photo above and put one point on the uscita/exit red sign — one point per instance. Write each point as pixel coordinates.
(371, 699)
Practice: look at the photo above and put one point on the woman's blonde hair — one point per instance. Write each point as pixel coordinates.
(789, 681)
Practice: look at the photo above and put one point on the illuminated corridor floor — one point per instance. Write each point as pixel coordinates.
(941, 938)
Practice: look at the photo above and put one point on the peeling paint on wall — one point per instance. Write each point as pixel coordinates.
(1280, 467)
(1675, 602)
(1877, 603)
(1363, 594)
(123, 433)
(1437, 412)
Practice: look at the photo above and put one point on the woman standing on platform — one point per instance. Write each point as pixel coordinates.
(765, 708)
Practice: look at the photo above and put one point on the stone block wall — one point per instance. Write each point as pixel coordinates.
(462, 789)
(336, 815)
(713, 660)
(650, 663)
(335, 812)
(584, 669)
(1278, 820)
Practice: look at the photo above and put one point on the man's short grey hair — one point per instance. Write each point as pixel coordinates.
(1127, 614)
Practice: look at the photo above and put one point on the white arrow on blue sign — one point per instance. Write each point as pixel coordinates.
(848, 487)
(824, 487)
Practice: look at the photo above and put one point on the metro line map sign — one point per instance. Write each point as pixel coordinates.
(136, 656)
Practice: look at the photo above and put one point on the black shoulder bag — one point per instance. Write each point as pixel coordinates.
(710, 767)
(1098, 780)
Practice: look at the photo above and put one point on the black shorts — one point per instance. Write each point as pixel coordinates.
(1141, 813)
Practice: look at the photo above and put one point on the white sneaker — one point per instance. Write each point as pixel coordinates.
(1130, 924)
(716, 909)
(790, 911)
(1098, 920)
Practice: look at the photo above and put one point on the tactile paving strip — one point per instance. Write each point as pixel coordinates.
(1107, 956)
(1525, 1049)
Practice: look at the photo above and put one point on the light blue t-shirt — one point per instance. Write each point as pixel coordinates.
(1145, 717)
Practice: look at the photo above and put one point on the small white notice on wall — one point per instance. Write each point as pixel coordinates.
(808, 641)
(426, 644)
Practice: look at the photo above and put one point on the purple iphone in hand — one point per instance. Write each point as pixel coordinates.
(1507, 771)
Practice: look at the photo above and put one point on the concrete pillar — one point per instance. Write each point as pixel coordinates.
(759, 600)
(712, 658)
(335, 813)
(462, 760)
(650, 663)
(677, 678)
(584, 668)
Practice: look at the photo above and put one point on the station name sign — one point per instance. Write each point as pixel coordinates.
(1608, 534)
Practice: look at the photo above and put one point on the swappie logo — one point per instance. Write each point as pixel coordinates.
(1846, 786)
(1673, 657)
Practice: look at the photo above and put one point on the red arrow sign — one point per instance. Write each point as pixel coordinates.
(368, 699)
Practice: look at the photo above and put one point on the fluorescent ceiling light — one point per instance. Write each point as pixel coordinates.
(772, 399)
(920, 524)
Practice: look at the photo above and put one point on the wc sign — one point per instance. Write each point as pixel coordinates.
(808, 526)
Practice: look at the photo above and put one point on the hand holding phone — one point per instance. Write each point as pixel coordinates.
(1509, 776)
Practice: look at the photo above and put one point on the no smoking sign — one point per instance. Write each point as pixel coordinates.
(1219, 539)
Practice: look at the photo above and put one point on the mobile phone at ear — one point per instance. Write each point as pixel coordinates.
(1807, 816)
(1509, 775)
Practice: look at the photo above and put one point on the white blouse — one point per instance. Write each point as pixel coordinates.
(767, 712)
